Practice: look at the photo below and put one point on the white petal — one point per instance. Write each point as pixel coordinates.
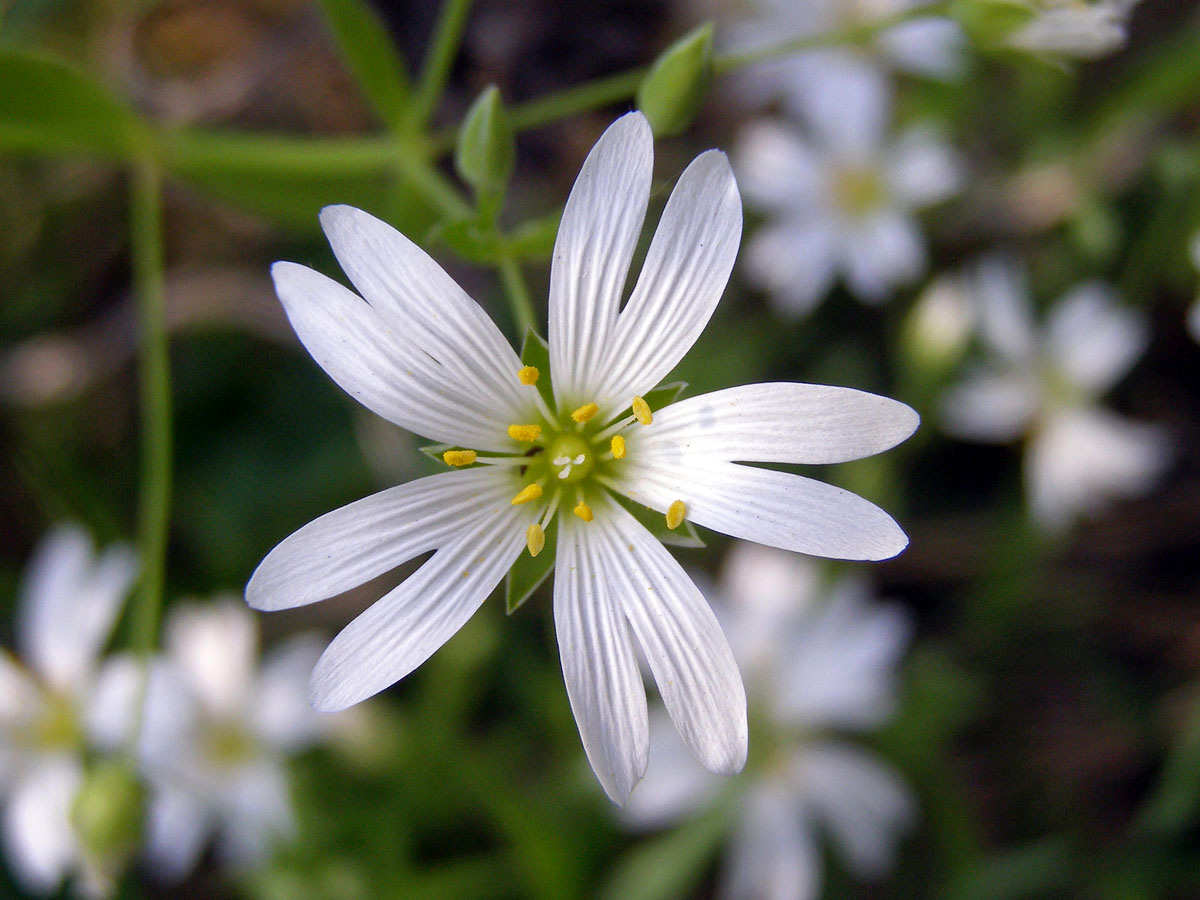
(922, 170)
(279, 712)
(176, 829)
(882, 252)
(39, 841)
(19, 695)
(773, 508)
(69, 603)
(686, 269)
(596, 239)
(795, 261)
(774, 854)
(776, 422)
(776, 168)
(675, 785)
(215, 646)
(603, 682)
(404, 628)
(864, 804)
(1082, 458)
(838, 666)
(929, 46)
(848, 107)
(991, 407)
(998, 287)
(376, 361)
(350, 546)
(1093, 339)
(257, 816)
(407, 287)
(679, 636)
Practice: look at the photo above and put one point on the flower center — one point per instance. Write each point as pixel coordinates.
(858, 190)
(571, 458)
(57, 726)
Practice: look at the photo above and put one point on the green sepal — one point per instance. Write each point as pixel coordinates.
(536, 352)
(486, 149)
(677, 84)
(371, 54)
(528, 572)
(656, 523)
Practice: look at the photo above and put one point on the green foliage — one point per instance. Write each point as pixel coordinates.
(486, 151)
(676, 87)
(372, 56)
(50, 107)
(668, 866)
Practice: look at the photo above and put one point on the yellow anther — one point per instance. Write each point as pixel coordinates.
(641, 409)
(675, 513)
(585, 412)
(528, 375)
(535, 538)
(529, 492)
(526, 433)
(618, 447)
(458, 457)
(583, 511)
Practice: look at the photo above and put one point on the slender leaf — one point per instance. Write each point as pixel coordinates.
(371, 54)
(48, 106)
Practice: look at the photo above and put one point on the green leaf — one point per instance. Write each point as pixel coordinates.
(371, 54)
(536, 352)
(670, 865)
(528, 572)
(48, 106)
(486, 150)
(535, 239)
(677, 84)
(656, 523)
(469, 240)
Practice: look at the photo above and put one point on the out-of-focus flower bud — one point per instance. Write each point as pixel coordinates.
(107, 814)
(938, 327)
(486, 149)
(675, 88)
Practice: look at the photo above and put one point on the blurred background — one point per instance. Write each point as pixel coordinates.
(1043, 712)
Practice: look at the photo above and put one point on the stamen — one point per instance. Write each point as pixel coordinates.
(583, 511)
(675, 513)
(618, 447)
(535, 539)
(585, 412)
(528, 375)
(529, 492)
(459, 457)
(526, 433)
(641, 409)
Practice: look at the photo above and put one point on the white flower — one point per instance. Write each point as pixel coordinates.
(69, 601)
(817, 661)
(926, 45)
(421, 353)
(1075, 28)
(216, 734)
(1045, 387)
(840, 196)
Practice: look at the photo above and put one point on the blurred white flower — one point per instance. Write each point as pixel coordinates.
(575, 447)
(937, 329)
(70, 599)
(840, 195)
(1193, 319)
(217, 732)
(925, 45)
(1045, 387)
(817, 661)
(1073, 28)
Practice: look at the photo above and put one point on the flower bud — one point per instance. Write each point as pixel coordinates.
(107, 813)
(937, 329)
(675, 88)
(486, 149)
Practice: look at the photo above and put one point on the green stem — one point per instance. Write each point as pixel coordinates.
(447, 36)
(517, 291)
(146, 243)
